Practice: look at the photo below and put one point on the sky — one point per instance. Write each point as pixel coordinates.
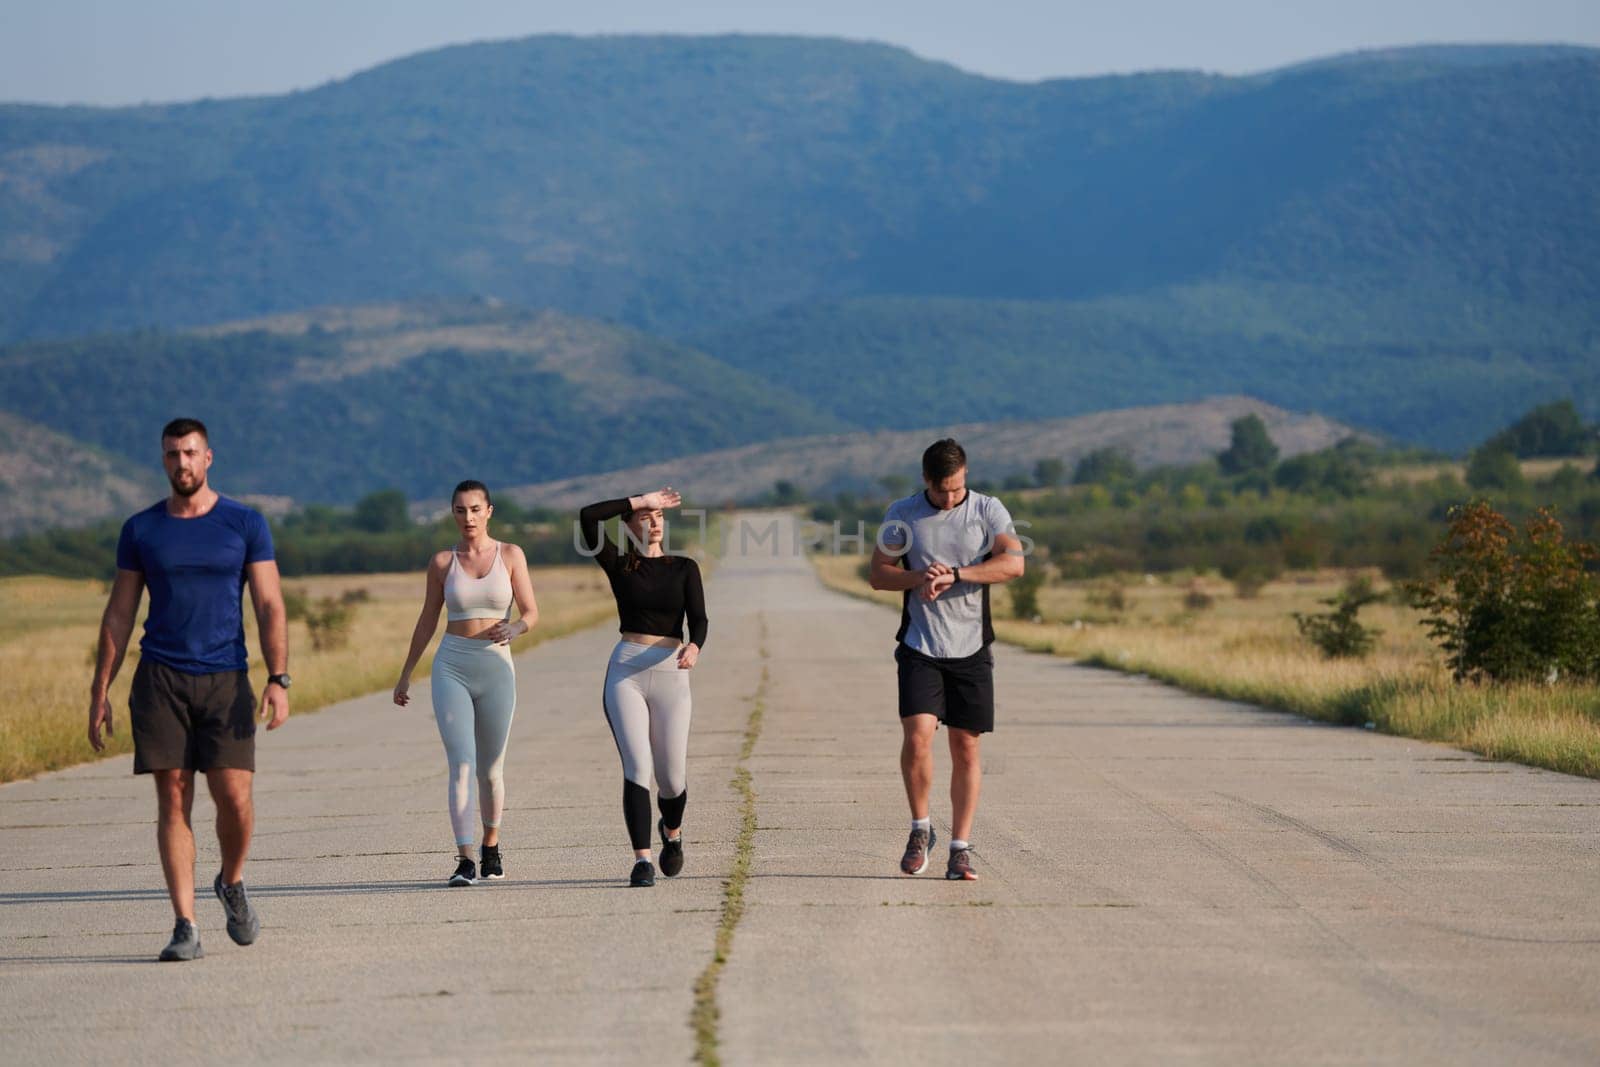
(135, 51)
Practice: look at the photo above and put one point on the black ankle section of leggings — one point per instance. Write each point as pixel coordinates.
(636, 810)
(672, 809)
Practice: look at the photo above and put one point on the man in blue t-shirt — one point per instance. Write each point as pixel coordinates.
(192, 708)
(942, 549)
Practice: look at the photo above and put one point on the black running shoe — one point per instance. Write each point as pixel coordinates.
(466, 873)
(489, 863)
(671, 851)
(185, 943)
(643, 874)
(243, 922)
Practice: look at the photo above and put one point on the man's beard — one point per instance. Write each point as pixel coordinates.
(186, 490)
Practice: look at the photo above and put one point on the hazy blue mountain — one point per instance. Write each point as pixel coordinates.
(676, 183)
(1380, 363)
(328, 405)
(1406, 239)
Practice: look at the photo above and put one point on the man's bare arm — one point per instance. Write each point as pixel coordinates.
(116, 628)
(886, 573)
(1004, 563)
(272, 622)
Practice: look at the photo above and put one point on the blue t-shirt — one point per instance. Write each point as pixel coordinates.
(195, 571)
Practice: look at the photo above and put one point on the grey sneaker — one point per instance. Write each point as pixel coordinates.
(919, 846)
(243, 922)
(959, 869)
(185, 943)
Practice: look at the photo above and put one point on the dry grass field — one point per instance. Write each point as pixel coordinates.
(48, 628)
(1250, 650)
(1532, 469)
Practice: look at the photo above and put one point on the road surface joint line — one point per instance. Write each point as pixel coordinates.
(705, 1014)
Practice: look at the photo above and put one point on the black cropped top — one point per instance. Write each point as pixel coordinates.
(657, 593)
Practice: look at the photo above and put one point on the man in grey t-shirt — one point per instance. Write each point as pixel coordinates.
(942, 549)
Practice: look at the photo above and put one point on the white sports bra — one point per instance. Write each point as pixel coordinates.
(466, 597)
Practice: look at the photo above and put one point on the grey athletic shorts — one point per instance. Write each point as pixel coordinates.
(193, 722)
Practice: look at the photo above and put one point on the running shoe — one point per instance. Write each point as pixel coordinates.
(919, 846)
(185, 943)
(671, 851)
(489, 863)
(466, 873)
(960, 866)
(243, 922)
(643, 874)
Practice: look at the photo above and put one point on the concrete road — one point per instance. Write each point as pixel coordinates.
(1165, 878)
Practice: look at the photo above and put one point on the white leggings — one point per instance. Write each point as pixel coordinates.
(474, 699)
(647, 704)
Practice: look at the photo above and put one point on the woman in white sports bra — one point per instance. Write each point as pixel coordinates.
(474, 683)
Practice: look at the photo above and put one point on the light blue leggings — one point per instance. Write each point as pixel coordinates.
(474, 699)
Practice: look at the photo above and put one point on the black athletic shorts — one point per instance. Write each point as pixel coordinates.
(960, 692)
(194, 722)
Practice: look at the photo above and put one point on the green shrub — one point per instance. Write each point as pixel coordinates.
(330, 622)
(1548, 430)
(1338, 633)
(1508, 606)
(1248, 583)
(1566, 481)
(382, 512)
(296, 604)
(1494, 467)
(1025, 591)
(1105, 466)
(1111, 596)
(1251, 449)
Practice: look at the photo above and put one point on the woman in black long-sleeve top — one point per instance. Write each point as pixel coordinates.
(647, 680)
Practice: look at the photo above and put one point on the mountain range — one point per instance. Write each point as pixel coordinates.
(328, 405)
(722, 241)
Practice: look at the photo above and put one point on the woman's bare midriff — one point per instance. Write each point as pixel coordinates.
(476, 629)
(656, 640)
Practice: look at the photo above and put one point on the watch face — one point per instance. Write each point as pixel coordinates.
(281, 679)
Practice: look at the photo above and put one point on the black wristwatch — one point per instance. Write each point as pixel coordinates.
(955, 573)
(280, 680)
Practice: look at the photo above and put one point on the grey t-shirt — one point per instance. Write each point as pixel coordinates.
(957, 624)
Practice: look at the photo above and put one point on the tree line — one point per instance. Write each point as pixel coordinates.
(1249, 514)
(376, 535)
(1246, 514)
